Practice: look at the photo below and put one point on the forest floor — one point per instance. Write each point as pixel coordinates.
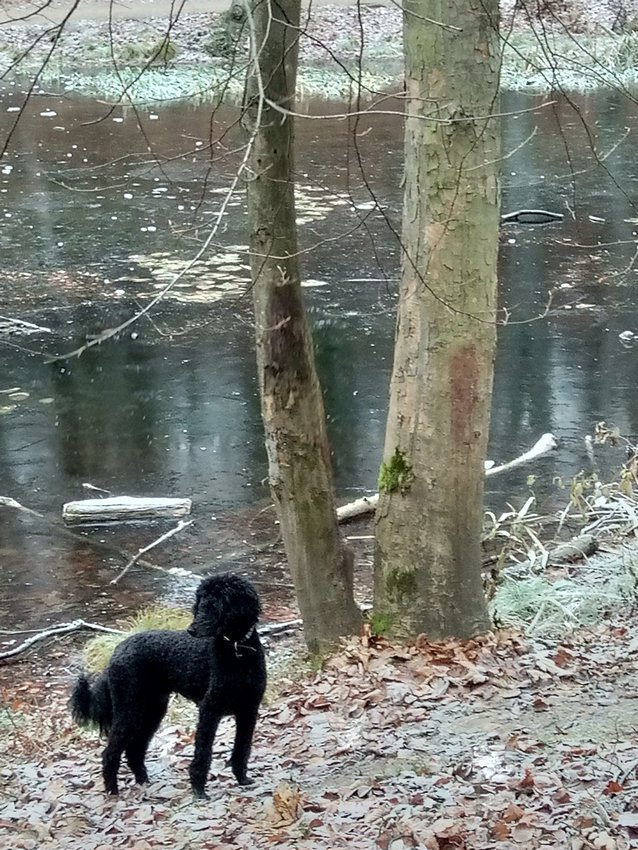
(504, 742)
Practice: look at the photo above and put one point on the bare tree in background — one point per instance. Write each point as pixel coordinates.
(291, 401)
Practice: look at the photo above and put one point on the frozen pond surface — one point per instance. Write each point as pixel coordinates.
(92, 224)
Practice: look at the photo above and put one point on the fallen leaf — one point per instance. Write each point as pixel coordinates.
(285, 807)
(513, 813)
(612, 788)
(500, 830)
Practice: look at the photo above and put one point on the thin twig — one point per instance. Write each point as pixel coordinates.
(180, 525)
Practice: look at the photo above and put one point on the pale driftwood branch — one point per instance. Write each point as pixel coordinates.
(287, 625)
(21, 325)
(180, 525)
(93, 489)
(367, 504)
(8, 502)
(276, 628)
(364, 505)
(546, 444)
(532, 216)
(62, 629)
(124, 508)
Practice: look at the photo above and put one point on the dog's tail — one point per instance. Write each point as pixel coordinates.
(91, 703)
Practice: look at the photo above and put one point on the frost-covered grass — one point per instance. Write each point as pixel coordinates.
(202, 85)
(579, 64)
(571, 63)
(544, 606)
(99, 649)
(552, 61)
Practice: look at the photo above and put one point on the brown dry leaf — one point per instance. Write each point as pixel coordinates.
(527, 783)
(612, 788)
(601, 840)
(512, 742)
(544, 663)
(562, 797)
(513, 813)
(563, 657)
(500, 830)
(285, 807)
(449, 832)
(521, 833)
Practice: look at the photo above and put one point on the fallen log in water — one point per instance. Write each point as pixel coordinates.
(368, 504)
(123, 508)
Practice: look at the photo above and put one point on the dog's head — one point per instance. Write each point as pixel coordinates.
(225, 605)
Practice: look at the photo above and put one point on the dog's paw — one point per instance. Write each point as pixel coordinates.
(244, 780)
(200, 794)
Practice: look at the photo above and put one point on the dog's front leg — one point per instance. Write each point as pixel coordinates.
(204, 739)
(244, 728)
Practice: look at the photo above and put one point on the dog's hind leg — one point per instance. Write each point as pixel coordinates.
(204, 739)
(112, 756)
(244, 727)
(136, 748)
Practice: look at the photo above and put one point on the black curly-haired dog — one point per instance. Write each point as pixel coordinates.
(218, 662)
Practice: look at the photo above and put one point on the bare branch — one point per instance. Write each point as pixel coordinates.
(8, 502)
(62, 629)
(179, 527)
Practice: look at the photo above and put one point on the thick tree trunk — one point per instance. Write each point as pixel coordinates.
(292, 405)
(427, 559)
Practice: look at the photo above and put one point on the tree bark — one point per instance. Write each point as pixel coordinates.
(428, 556)
(299, 463)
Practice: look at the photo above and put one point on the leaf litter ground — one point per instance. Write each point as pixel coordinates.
(501, 742)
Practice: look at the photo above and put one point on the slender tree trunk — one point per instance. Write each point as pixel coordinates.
(429, 518)
(292, 405)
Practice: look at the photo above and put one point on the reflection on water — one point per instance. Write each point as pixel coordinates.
(171, 407)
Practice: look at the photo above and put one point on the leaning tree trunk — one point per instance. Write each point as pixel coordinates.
(427, 558)
(291, 401)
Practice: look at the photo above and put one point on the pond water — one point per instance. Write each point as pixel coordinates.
(100, 205)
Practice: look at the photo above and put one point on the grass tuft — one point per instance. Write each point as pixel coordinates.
(99, 649)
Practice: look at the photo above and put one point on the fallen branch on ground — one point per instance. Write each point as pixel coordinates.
(9, 325)
(62, 629)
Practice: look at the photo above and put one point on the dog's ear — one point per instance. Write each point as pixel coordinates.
(198, 596)
(241, 609)
(206, 615)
